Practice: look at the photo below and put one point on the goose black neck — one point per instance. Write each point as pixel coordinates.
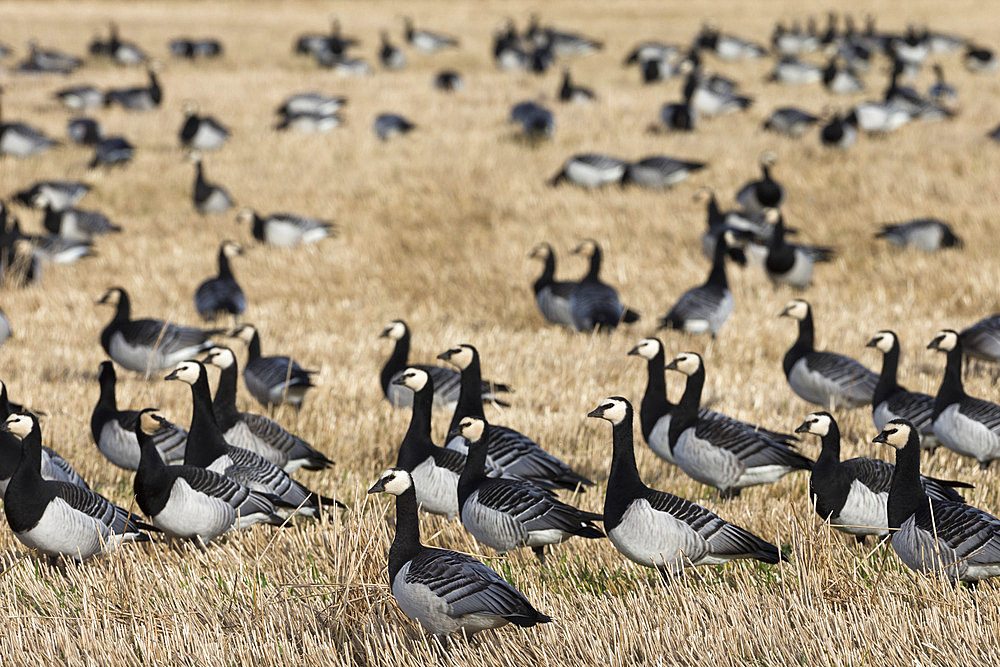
(253, 347)
(474, 472)
(258, 227)
(225, 271)
(715, 216)
(205, 441)
(686, 412)
(803, 344)
(123, 312)
(887, 382)
(654, 402)
(417, 444)
(906, 495)
(624, 484)
(717, 276)
(548, 273)
(199, 174)
(595, 265)
(951, 390)
(27, 494)
(470, 396)
(397, 362)
(830, 452)
(778, 234)
(224, 402)
(406, 543)
(153, 481)
(10, 446)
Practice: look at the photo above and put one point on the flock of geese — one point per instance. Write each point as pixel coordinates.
(230, 470)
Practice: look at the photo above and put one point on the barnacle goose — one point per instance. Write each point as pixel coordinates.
(221, 294)
(714, 96)
(207, 448)
(112, 151)
(515, 454)
(979, 59)
(139, 98)
(207, 197)
(968, 426)
(790, 121)
(879, 117)
(445, 591)
(931, 535)
(254, 432)
(53, 467)
(839, 132)
(449, 81)
(660, 172)
(307, 121)
(113, 430)
(193, 48)
(563, 44)
(704, 308)
(21, 140)
(841, 80)
(756, 196)
(925, 234)
(147, 345)
(311, 103)
(202, 133)
(892, 401)
(790, 70)
(189, 502)
(727, 456)
(390, 55)
(536, 121)
(426, 41)
(659, 530)
(982, 339)
(719, 222)
(447, 381)
(505, 514)
(852, 494)
(568, 92)
(123, 53)
(591, 170)
(389, 125)
(59, 518)
(272, 380)
(830, 380)
(84, 131)
(794, 40)
(58, 194)
(910, 101)
(656, 410)
(791, 264)
(650, 50)
(728, 47)
(593, 303)
(286, 230)
(80, 98)
(48, 61)
(55, 250)
(508, 50)
(681, 116)
(551, 296)
(941, 91)
(75, 224)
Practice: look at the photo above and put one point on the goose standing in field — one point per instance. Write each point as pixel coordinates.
(113, 430)
(189, 502)
(48, 61)
(445, 591)
(309, 122)
(681, 116)
(839, 132)
(831, 381)
(389, 125)
(656, 410)
(721, 454)
(505, 514)
(84, 131)
(790, 70)
(140, 98)
(207, 197)
(595, 304)
(852, 495)
(112, 151)
(591, 170)
(568, 92)
(790, 121)
(536, 121)
(659, 530)
(791, 264)
(80, 98)
(925, 234)
(967, 426)
(714, 96)
(390, 55)
(659, 172)
(53, 467)
(982, 339)
(75, 224)
(513, 453)
(728, 47)
(147, 345)
(941, 91)
(58, 194)
(892, 401)
(841, 80)
(121, 52)
(447, 381)
(59, 518)
(207, 448)
(704, 308)
(193, 49)
(551, 296)
(448, 81)
(254, 432)
(221, 294)
(979, 59)
(21, 140)
(286, 230)
(426, 41)
(202, 133)
(933, 535)
(756, 196)
(508, 49)
(718, 223)
(311, 103)
(272, 380)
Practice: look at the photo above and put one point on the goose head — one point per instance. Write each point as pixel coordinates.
(414, 379)
(613, 409)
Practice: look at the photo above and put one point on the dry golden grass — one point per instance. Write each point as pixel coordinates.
(436, 229)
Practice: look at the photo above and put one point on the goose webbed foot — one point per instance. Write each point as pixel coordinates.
(539, 554)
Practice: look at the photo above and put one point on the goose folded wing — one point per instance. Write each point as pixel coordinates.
(169, 336)
(983, 337)
(985, 412)
(213, 292)
(450, 459)
(521, 457)
(875, 474)
(255, 471)
(446, 380)
(785, 439)
(72, 476)
(274, 371)
(217, 486)
(98, 507)
(753, 449)
(532, 507)
(848, 373)
(276, 436)
(971, 532)
(916, 407)
(466, 585)
(699, 303)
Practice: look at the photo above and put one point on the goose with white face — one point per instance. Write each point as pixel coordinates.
(944, 341)
(612, 409)
(688, 363)
(413, 379)
(19, 425)
(394, 481)
(892, 401)
(647, 348)
(470, 428)
(395, 330)
(883, 341)
(220, 357)
(460, 356)
(186, 371)
(797, 309)
(817, 423)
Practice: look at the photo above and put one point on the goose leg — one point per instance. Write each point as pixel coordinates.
(539, 554)
(728, 494)
(861, 539)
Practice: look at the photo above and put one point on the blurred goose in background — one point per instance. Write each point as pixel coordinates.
(207, 197)
(22, 140)
(272, 380)
(75, 224)
(445, 591)
(659, 172)
(941, 91)
(119, 51)
(793, 41)
(48, 61)
(537, 122)
(651, 50)
(568, 92)
(5, 330)
(59, 518)
(447, 381)
(309, 122)
(448, 81)
(841, 80)
(221, 294)
(591, 170)
(756, 196)
(551, 296)
(508, 49)
(791, 71)
(791, 264)
(719, 222)
(563, 44)
(681, 115)
(790, 121)
(982, 339)
(311, 103)
(426, 41)
(58, 194)
(927, 234)
(203, 133)
(80, 98)
(966, 425)
(147, 345)
(389, 125)
(139, 98)
(286, 230)
(893, 401)
(827, 379)
(979, 59)
(390, 55)
(255, 432)
(193, 49)
(656, 529)
(113, 430)
(839, 133)
(84, 131)
(594, 304)
(728, 47)
(112, 151)
(714, 96)
(704, 308)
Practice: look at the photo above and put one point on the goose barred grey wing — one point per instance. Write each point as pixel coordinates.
(56, 468)
(914, 407)
(277, 438)
(873, 473)
(531, 507)
(856, 381)
(984, 412)
(170, 439)
(982, 339)
(753, 449)
(972, 533)
(166, 336)
(267, 378)
(450, 459)
(253, 470)
(118, 519)
(553, 302)
(236, 495)
(219, 295)
(593, 304)
(786, 439)
(466, 586)
(708, 303)
(448, 385)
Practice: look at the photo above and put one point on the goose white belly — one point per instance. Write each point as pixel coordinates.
(436, 488)
(965, 436)
(65, 531)
(282, 234)
(285, 393)
(844, 84)
(656, 539)
(189, 513)
(659, 439)
(117, 447)
(419, 603)
(217, 202)
(13, 142)
(590, 176)
(705, 462)
(207, 138)
(801, 273)
(494, 529)
(864, 512)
